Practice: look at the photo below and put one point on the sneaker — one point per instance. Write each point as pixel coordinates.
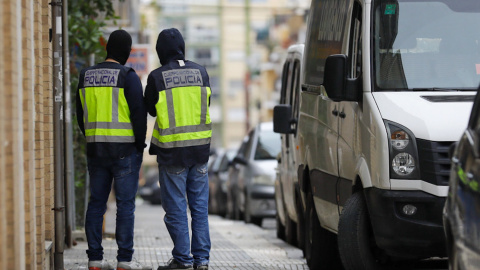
(100, 265)
(174, 264)
(132, 265)
(201, 267)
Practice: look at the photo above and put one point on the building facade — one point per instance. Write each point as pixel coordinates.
(26, 136)
(255, 36)
(234, 40)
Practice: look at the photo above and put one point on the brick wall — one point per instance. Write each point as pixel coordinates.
(47, 120)
(13, 144)
(39, 137)
(26, 134)
(28, 70)
(3, 199)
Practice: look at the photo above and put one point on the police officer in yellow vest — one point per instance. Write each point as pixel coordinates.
(112, 116)
(178, 94)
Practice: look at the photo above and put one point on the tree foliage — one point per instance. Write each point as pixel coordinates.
(85, 23)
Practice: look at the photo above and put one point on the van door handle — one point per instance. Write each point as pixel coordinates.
(335, 112)
(342, 115)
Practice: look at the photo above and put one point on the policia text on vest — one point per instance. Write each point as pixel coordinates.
(182, 77)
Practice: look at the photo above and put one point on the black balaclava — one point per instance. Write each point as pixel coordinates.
(170, 46)
(119, 46)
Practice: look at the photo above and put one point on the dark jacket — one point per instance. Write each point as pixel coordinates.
(138, 115)
(171, 48)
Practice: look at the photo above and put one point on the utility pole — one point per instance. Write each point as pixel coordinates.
(59, 204)
(247, 56)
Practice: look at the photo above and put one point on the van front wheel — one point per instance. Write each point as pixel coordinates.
(356, 242)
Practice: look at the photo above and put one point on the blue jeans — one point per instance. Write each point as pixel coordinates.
(124, 173)
(177, 185)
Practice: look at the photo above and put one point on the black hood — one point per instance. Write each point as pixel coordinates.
(119, 46)
(170, 46)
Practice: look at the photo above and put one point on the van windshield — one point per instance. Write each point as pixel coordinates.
(426, 45)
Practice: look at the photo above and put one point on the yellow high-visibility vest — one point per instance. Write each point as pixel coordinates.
(183, 117)
(105, 108)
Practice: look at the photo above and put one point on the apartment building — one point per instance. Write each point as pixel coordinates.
(255, 36)
(242, 44)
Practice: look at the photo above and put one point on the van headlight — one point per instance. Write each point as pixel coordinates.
(404, 163)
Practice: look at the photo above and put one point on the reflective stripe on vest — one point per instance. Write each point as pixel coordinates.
(106, 115)
(183, 117)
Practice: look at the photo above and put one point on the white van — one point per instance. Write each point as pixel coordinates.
(388, 87)
(287, 193)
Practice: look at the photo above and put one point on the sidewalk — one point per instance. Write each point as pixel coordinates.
(235, 245)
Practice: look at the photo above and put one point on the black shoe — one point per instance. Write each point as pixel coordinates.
(201, 267)
(174, 265)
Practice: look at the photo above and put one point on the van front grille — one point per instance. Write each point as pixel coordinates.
(434, 161)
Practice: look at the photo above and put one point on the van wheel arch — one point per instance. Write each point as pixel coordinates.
(357, 185)
(321, 250)
(300, 208)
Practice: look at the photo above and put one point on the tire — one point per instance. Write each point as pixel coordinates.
(215, 203)
(300, 223)
(355, 236)
(211, 204)
(221, 206)
(230, 206)
(321, 250)
(248, 216)
(237, 214)
(156, 197)
(257, 221)
(280, 228)
(290, 229)
(453, 263)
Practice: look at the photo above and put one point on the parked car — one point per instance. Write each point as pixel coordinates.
(461, 216)
(217, 179)
(287, 194)
(233, 211)
(253, 175)
(150, 189)
(387, 89)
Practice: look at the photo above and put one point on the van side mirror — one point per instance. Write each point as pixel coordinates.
(335, 81)
(282, 119)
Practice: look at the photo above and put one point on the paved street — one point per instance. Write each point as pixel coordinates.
(235, 245)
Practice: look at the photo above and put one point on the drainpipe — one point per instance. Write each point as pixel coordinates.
(59, 204)
(67, 116)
